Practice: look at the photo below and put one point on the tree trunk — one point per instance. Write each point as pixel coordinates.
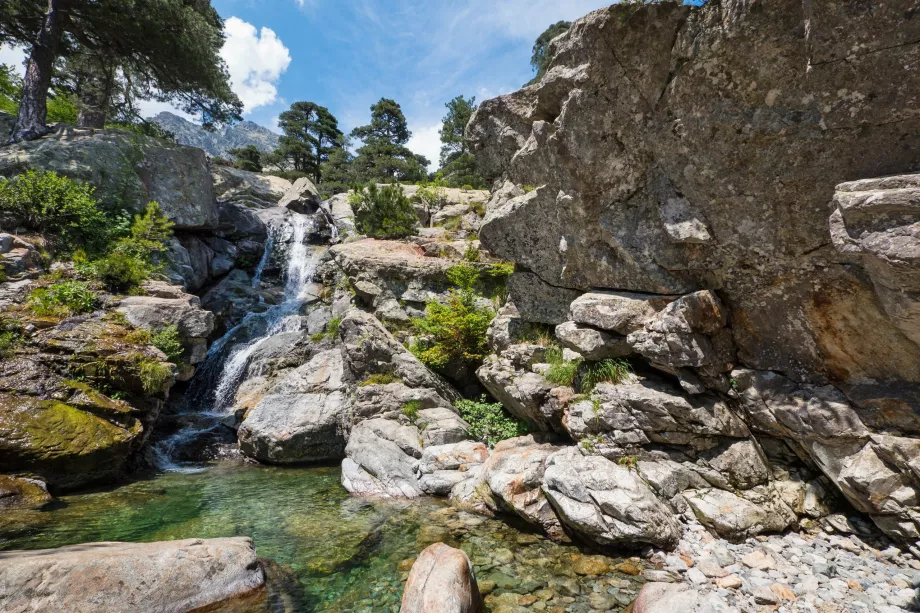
(95, 94)
(33, 104)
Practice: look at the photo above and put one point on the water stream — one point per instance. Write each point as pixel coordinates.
(326, 552)
(212, 390)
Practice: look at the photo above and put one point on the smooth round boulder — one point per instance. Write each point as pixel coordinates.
(441, 581)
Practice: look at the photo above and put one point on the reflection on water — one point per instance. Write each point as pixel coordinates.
(325, 551)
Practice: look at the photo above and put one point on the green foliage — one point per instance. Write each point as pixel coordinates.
(168, 341)
(142, 127)
(563, 373)
(467, 188)
(629, 462)
(167, 51)
(8, 343)
(431, 196)
(384, 156)
(462, 169)
(132, 260)
(472, 253)
(459, 112)
(489, 422)
(383, 212)
(542, 335)
(605, 371)
(152, 373)
(55, 206)
(528, 188)
(542, 52)
(380, 379)
(411, 409)
(311, 134)
(63, 299)
(456, 329)
(247, 158)
(331, 331)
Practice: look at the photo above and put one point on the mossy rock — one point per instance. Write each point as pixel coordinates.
(65, 446)
(22, 493)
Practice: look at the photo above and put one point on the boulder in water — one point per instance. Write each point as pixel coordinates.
(167, 577)
(441, 581)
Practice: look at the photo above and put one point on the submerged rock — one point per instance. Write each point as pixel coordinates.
(167, 577)
(441, 581)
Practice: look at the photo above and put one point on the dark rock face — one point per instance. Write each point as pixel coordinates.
(705, 198)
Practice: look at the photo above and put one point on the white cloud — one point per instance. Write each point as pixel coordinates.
(427, 141)
(14, 57)
(256, 60)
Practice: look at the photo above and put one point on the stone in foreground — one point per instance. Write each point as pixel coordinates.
(441, 581)
(167, 577)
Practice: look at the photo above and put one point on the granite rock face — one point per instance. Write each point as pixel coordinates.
(127, 169)
(169, 577)
(707, 204)
(441, 581)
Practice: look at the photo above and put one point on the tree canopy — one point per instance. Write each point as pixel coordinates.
(311, 134)
(166, 50)
(542, 56)
(458, 165)
(384, 156)
(247, 158)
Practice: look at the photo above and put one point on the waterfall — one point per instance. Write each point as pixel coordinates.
(213, 389)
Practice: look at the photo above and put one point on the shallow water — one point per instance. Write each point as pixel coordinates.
(326, 551)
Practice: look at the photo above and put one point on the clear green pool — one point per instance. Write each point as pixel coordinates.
(325, 551)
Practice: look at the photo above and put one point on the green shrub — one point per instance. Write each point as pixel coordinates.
(605, 371)
(528, 188)
(479, 208)
(55, 206)
(490, 422)
(471, 253)
(63, 299)
(168, 341)
(152, 373)
(411, 409)
(380, 379)
(133, 258)
(629, 462)
(542, 335)
(431, 196)
(119, 271)
(9, 340)
(467, 188)
(383, 212)
(455, 330)
(563, 373)
(331, 331)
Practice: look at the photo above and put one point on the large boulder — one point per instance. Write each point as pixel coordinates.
(167, 577)
(607, 503)
(252, 190)
(301, 417)
(382, 458)
(705, 187)
(441, 581)
(128, 171)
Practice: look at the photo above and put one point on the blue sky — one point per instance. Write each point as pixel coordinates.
(347, 54)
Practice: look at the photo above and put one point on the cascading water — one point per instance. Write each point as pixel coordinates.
(213, 388)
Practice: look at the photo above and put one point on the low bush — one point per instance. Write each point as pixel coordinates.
(168, 341)
(563, 373)
(605, 371)
(380, 379)
(63, 299)
(132, 260)
(489, 422)
(456, 329)
(433, 197)
(383, 212)
(411, 409)
(331, 331)
(64, 210)
(152, 373)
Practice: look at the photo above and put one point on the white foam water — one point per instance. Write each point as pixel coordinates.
(213, 389)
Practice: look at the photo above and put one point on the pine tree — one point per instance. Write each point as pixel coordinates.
(459, 112)
(311, 135)
(247, 158)
(169, 48)
(542, 55)
(384, 156)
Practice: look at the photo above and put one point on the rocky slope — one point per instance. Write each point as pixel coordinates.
(219, 142)
(705, 203)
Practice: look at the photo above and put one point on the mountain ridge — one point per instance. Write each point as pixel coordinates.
(219, 142)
